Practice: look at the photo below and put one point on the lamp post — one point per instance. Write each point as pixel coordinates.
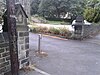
(12, 36)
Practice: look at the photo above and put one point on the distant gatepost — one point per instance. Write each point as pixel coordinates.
(81, 28)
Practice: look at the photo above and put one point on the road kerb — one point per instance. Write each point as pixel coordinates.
(55, 37)
(39, 71)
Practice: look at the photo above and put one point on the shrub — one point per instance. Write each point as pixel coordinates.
(65, 32)
(42, 29)
(54, 31)
(38, 19)
(92, 14)
(62, 32)
(33, 30)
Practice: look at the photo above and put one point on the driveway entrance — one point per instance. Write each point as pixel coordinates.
(66, 57)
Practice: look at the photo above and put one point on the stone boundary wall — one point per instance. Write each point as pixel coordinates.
(5, 65)
(91, 30)
(95, 29)
(23, 51)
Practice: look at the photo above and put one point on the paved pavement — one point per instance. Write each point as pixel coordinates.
(66, 57)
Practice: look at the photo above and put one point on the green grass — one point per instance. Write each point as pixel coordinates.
(57, 22)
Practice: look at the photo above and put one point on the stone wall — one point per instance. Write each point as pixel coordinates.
(23, 41)
(94, 29)
(23, 51)
(23, 48)
(87, 32)
(91, 30)
(4, 54)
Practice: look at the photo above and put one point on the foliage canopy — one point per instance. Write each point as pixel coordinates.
(90, 9)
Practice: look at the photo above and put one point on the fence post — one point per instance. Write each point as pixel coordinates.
(39, 43)
(12, 36)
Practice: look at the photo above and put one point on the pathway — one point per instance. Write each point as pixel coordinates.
(66, 57)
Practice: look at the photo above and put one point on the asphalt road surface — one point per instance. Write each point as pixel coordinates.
(66, 57)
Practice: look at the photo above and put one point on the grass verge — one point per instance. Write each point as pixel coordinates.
(60, 32)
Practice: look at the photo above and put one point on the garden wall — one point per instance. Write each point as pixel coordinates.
(23, 51)
(4, 54)
(91, 30)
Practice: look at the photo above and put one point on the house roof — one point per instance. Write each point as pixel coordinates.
(17, 6)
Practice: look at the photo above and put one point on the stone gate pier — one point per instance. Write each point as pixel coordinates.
(22, 41)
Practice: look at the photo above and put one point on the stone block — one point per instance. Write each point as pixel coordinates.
(2, 70)
(4, 64)
(5, 54)
(2, 50)
(8, 73)
(20, 38)
(27, 53)
(2, 60)
(8, 68)
(6, 38)
(27, 40)
(21, 42)
(8, 58)
(22, 47)
(26, 33)
(22, 55)
(21, 34)
(26, 46)
(1, 38)
(4, 45)
(24, 61)
(22, 28)
(0, 55)
(7, 49)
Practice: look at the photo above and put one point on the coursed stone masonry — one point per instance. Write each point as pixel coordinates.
(23, 42)
(5, 65)
(23, 48)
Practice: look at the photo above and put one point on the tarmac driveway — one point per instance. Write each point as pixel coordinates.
(66, 57)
